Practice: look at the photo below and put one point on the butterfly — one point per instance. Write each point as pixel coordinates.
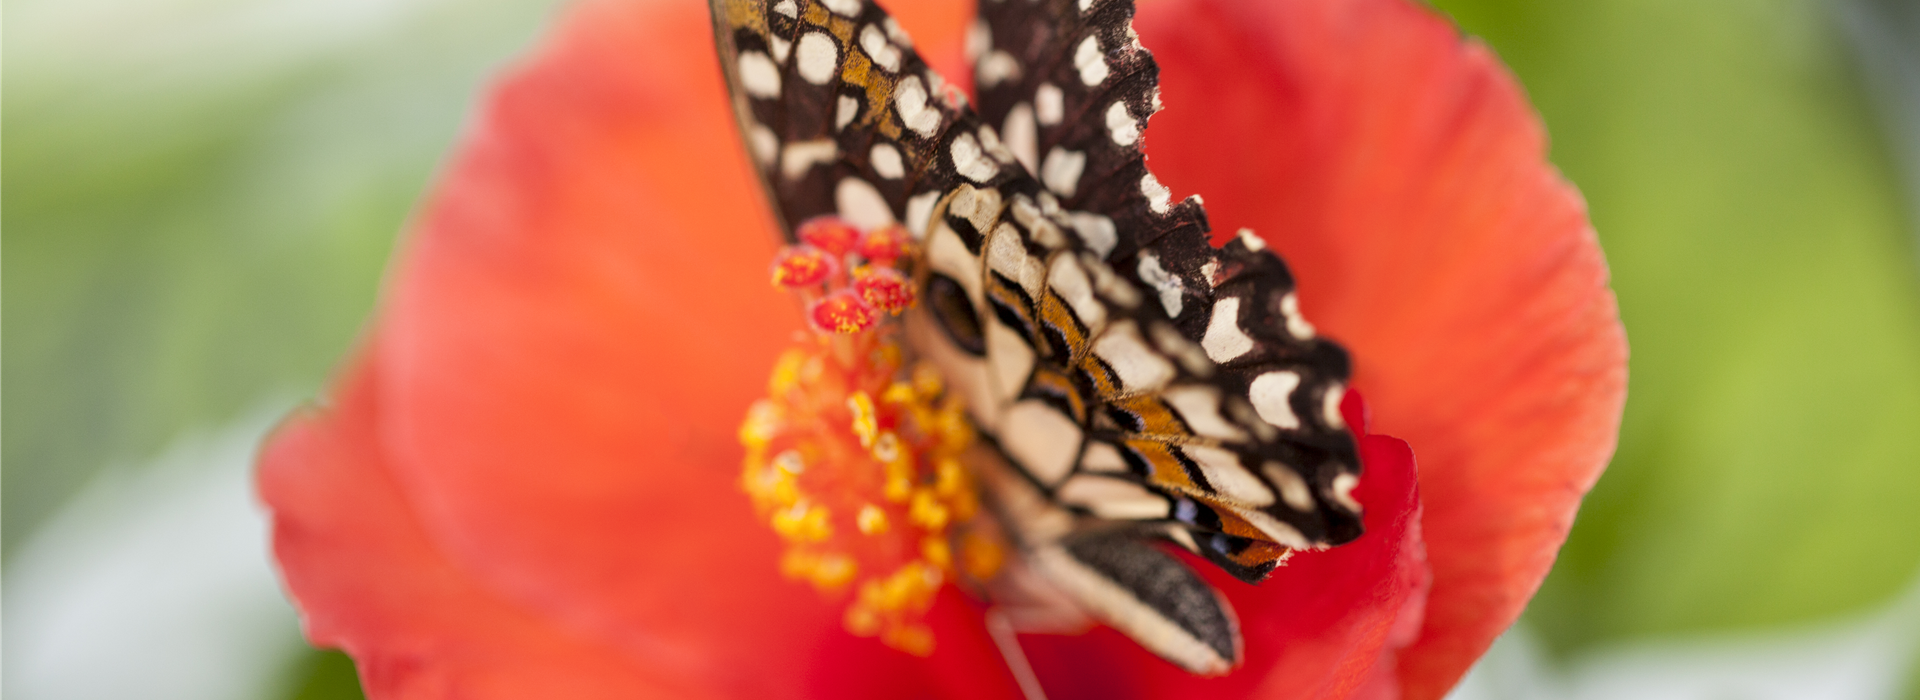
(1136, 386)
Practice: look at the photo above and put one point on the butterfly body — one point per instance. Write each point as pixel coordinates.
(1134, 383)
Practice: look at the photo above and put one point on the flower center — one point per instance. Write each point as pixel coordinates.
(854, 455)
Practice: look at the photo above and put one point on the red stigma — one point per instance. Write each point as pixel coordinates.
(829, 233)
(803, 266)
(883, 245)
(843, 312)
(884, 288)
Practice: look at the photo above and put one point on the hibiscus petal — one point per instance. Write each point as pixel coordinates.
(547, 417)
(1401, 172)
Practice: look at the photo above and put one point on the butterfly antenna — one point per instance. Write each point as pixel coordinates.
(1004, 637)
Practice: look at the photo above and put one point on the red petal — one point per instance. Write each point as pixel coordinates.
(1401, 172)
(549, 412)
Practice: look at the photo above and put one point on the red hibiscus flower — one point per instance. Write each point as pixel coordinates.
(525, 484)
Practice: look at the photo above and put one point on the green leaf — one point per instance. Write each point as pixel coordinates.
(325, 675)
(1748, 207)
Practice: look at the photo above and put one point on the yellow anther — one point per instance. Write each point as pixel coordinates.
(927, 380)
(817, 528)
(915, 639)
(937, 552)
(763, 423)
(898, 489)
(949, 478)
(832, 572)
(790, 461)
(862, 620)
(926, 511)
(797, 564)
(872, 520)
(864, 425)
(899, 394)
(886, 448)
(853, 460)
(786, 372)
(963, 505)
(980, 556)
(790, 522)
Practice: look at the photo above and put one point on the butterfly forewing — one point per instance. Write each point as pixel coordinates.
(1071, 88)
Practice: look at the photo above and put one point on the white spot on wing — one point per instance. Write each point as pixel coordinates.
(1071, 283)
(910, 99)
(1007, 254)
(1049, 104)
(1139, 367)
(798, 156)
(1022, 136)
(970, 161)
(980, 207)
(848, 8)
(1009, 359)
(1224, 340)
(1184, 351)
(1096, 230)
(765, 145)
(1252, 240)
(1330, 406)
(886, 161)
(947, 255)
(1228, 476)
(1121, 125)
(1042, 439)
(860, 204)
(844, 111)
(1115, 499)
(1061, 170)
(1102, 458)
(898, 35)
(818, 57)
(1279, 532)
(1342, 491)
(990, 142)
(998, 67)
(1271, 394)
(787, 7)
(781, 48)
(979, 39)
(1199, 406)
(1293, 489)
(873, 40)
(1165, 283)
(1158, 196)
(1091, 63)
(920, 212)
(758, 76)
(1296, 323)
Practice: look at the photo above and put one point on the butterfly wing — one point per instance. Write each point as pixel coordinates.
(1072, 89)
(1141, 383)
(840, 115)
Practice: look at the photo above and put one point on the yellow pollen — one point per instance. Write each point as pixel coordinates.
(872, 520)
(864, 425)
(853, 459)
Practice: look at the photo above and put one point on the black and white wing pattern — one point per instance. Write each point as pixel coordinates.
(1141, 384)
(1071, 88)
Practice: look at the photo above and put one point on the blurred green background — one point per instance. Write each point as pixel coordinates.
(201, 195)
